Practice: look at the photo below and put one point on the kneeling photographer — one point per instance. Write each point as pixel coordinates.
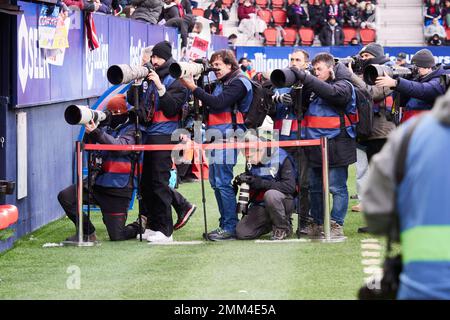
(112, 181)
(272, 186)
(418, 94)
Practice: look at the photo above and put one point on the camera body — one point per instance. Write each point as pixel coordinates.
(356, 62)
(242, 181)
(373, 71)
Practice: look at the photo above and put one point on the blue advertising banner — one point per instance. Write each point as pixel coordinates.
(33, 72)
(138, 41)
(270, 58)
(76, 72)
(66, 80)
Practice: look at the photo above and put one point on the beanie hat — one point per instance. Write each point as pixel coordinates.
(163, 50)
(424, 59)
(374, 49)
(117, 104)
(401, 56)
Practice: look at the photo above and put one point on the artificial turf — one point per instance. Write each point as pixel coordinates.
(227, 270)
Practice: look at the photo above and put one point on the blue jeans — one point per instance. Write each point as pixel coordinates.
(338, 188)
(220, 177)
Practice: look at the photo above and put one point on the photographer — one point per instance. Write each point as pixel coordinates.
(112, 185)
(272, 182)
(285, 121)
(162, 98)
(226, 106)
(417, 95)
(406, 196)
(373, 53)
(330, 102)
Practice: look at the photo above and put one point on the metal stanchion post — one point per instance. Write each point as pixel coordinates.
(79, 185)
(325, 190)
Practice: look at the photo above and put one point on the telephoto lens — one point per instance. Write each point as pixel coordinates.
(244, 197)
(76, 114)
(124, 73)
(282, 78)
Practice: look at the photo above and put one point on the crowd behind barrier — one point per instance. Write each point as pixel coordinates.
(437, 22)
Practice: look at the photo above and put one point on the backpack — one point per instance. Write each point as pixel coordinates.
(364, 106)
(259, 107)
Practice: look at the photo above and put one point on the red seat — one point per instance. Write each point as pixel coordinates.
(279, 17)
(307, 36)
(8, 215)
(447, 31)
(349, 34)
(367, 36)
(198, 12)
(271, 36)
(289, 36)
(227, 3)
(327, 2)
(277, 4)
(262, 3)
(265, 15)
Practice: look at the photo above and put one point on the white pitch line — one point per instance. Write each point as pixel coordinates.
(176, 243)
(283, 241)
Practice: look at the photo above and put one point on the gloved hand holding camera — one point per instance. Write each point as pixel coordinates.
(284, 98)
(252, 181)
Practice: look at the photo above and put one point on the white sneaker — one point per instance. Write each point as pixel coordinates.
(146, 234)
(159, 237)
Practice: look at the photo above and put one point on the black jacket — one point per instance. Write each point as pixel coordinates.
(337, 93)
(326, 34)
(147, 10)
(184, 26)
(172, 101)
(169, 12)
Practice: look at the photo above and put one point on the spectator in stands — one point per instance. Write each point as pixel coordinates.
(232, 39)
(185, 25)
(253, 27)
(352, 16)
(75, 4)
(433, 11)
(184, 7)
(332, 34)
(401, 60)
(297, 15)
(244, 9)
(147, 10)
(445, 13)
(103, 6)
(217, 14)
(354, 42)
(435, 28)
(435, 41)
(317, 16)
(169, 11)
(213, 28)
(334, 10)
(246, 67)
(368, 17)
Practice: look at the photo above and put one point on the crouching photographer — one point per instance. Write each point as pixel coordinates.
(112, 180)
(271, 182)
(418, 94)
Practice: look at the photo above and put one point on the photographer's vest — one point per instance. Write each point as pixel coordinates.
(414, 107)
(285, 114)
(160, 125)
(270, 171)
(425, 225)
(323, 120)
(116, 170)
(222, 120)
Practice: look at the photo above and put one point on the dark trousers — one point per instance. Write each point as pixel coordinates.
(114, 210)
(156, 193)
(261, 219)
(179, 203)
(304, 184)
(373, 147)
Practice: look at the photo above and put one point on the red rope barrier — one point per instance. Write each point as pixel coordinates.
(192, 145)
